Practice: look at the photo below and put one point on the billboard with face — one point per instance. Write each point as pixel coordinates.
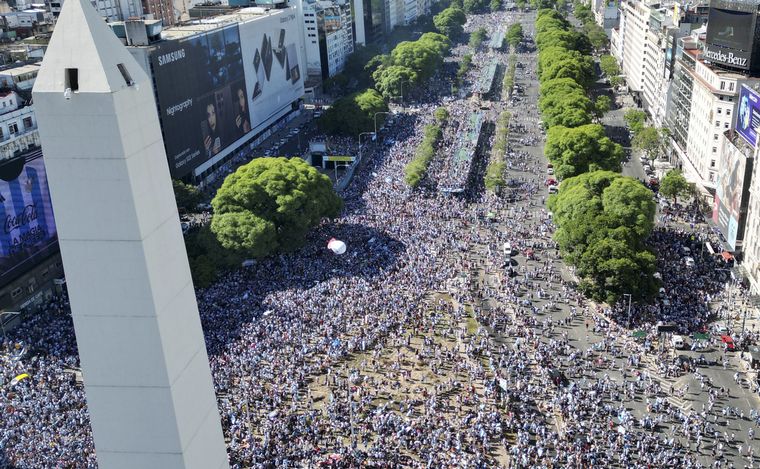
(201, 96)
(271, 59)
(748, 115)
(729, 193)
(29, 234)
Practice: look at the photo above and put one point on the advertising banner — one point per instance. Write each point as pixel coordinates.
(202, 96)
(271, 61)
(748, 117)
(728, 194)
(29, 232)
(729, 37)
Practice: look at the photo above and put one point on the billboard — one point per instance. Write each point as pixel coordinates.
(729, 194)
(271, 59)
(29, 232)
(201, 94)
(730, 37)
(748, 116)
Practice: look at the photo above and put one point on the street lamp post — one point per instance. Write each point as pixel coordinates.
(630, 297)
(2, 323)
(360, 143)
(375, 118)
(402, 92)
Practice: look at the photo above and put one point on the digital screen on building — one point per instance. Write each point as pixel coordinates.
(29, 234)
(730, 37)
(748, 115)
(271, 59)
(729, 190)
(201, 93)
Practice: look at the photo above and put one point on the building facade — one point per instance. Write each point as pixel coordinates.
(328, 36)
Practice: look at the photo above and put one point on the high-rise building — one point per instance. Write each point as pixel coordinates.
(328, 36)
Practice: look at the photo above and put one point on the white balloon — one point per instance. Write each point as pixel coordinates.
(336, 246)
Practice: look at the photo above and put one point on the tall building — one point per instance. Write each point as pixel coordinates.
(147, 379)
(163, 10)
(329, 36)
(112, 10)
(248, 74)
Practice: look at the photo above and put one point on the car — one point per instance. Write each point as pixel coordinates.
(721, 329)
(553, 189)
(551, 182)
(678, 342)
(728, 342)
(550, 171)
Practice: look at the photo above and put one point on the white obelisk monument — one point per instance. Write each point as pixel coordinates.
(146, 372)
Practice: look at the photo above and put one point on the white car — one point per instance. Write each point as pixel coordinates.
(553, 189)
(550, 171)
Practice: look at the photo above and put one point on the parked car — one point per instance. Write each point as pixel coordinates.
(678, 342)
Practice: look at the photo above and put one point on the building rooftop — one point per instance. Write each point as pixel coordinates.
(21, 70)
(194, 27)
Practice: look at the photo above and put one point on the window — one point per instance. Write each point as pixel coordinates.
(72, 79)
(12, 128)
(722, 85)
(731, 86)
(712, 163)
(27, 123)
(720, 111)
(728, 112)
(717, 123)
(715, 150)
(15, 293)
(715, 136)
(725, 125)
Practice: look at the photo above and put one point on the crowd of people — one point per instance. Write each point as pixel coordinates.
(446, 336)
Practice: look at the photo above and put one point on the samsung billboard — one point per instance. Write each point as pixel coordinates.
(731, 192)
(28, 234)
(216, 87)
(201, 94)
(729, 38)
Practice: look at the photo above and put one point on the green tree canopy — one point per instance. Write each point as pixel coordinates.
(440, 43)
(571, 64)
(609, 65)
(563, 102)
(477, 37)
(441, 114)
(674, 184)
(650, 141)
(270, 204)
(472, 6)
(449, 22)
(187, 196)
(388, 79)
(353, 113)
(603, 220)
(514, 34)
(417, 56)
(634, 119)
(494, 5)
(602, 105)
(573, 151)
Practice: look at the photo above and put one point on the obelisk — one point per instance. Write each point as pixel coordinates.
(144, 362)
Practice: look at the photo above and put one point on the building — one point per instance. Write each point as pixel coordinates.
(630, 45)
(328, 36)
(111, 10)
(606, 14)
(162, 10)
(30, 264)
(248, 80)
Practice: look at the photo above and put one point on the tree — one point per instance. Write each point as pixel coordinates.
(603, 220)
(574, 151)
(269, 205)
(649, 140)
(441, 114)
(449, 22)
(495, 5)
(563, 102)
(514, 34)
(634, 119)
(421, 57)
(187, 196)
(388, 80)
(477, 37)
(520, 4)
(674, 184)
(415, 170)
(472, 6)
(580, 68)
(440, 43)
(596, 35)
(602, 105)
(609, 66)
(353, 113)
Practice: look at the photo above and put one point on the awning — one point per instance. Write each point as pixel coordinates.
(701, 336)
(639, 334)
(727, 256)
